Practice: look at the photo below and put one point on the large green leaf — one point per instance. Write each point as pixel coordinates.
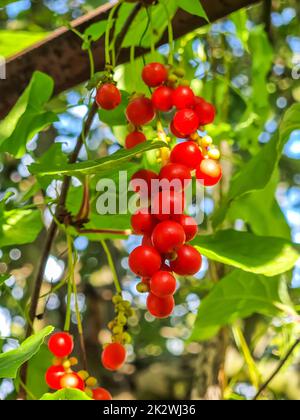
(28, 117)
(257, 173)
(37, 368)
(193, 7)
(260, 210)
(67, 395)
(19, 227)
(99, 166)
(11, 42)
(257, 254)
(11, 361)
(237, 296)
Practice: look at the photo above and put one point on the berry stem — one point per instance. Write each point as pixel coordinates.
(149, 13)
(79, 326)
(112, 266)
(170, 32)
(70, 283)
(28, 392)
(107, 33)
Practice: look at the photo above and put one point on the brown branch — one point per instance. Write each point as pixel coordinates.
(61, 206)
(60, 55)
(277, 370)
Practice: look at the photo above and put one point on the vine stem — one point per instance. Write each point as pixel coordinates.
(112, 266)
(70, 283)
(62, 201)
(170, 32)
(277, 370)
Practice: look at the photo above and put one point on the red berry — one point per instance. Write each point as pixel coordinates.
(183, 97)
(176, 133)
(179, 174)
(168, 203)
(61, 344)
(54, 375)
(144, 261)
(209, 172)
(188, 261)
(160, 307)
(113, 356)
(72, 380)
(162, 99)
(163, 284)
(186, 122)
(140, 111)
(143, 222)
(148, 177)
(154, 74)
(189, 225)
(206, 112)
(108, 96)
(101, 394)
(188, 154)
(135, 138)
(168, 236)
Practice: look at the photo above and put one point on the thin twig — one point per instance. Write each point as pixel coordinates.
(62, 201)
(277, 370)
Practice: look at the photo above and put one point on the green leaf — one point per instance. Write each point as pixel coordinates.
(19, 227)
(193, 7)
(3, 278)
(37, 368)
(257, 173)
(239, 19)
(28, 117)
(116, 116)
(11, 361)
(67, 395)
(101, 166)
(11, 42)
(260, 210)
(96, 30)
(257, 254)
(237, 296)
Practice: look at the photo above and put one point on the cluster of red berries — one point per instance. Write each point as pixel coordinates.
(165, 249)
(61, 374)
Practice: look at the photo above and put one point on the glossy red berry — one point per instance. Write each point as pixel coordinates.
(206, 112)
(168, 203)
(135, 138)
(162, 99)
(113, 356)
(183, 97)
(176, 133)
(72, 380)
(143, 222)
(144, 261)
(148, 177)
(209, 172)
(188, 154)
(61, 344)
(154, 74)
(140, 111)
(186, 122)
(163, 284)
(189, 225)
(54, 375)
(160, 307)
(101, 394)
(179, 175)
(108, 96)
(168, 237)
(188, 261)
